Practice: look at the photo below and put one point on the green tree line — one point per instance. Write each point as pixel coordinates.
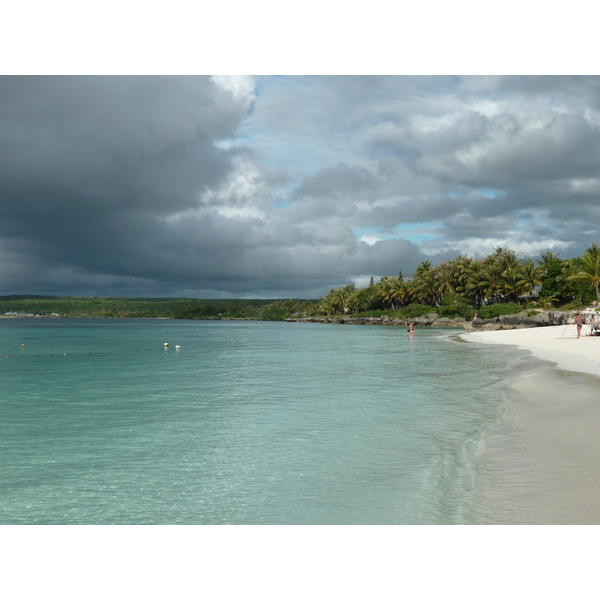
(459, 286)
(177, 308)
(500, 283)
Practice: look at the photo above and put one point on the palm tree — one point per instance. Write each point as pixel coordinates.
(531, 276)
(346, 299)
(461, 267)
(492, 280)
(410, 290)
(423, 268)
(326, 303)
(500, 252)
(510, 262)
(427, 288)
(399, 294)
(393, 292)
(589, 268)
(512, 285)
(548, 258)
(445, 281)
(386, 290)
(476, 283)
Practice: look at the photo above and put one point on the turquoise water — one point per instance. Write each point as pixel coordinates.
(248, 423)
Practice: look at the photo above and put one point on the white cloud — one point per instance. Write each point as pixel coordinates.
(370, 240)
(480, 247)
(362, 281)
(241, 86)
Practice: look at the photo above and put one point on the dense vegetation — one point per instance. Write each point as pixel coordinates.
(178, 308)
(500, 283)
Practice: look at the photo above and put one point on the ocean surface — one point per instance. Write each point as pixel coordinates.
(254, 423)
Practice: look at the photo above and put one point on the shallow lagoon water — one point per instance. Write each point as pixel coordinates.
(251, 423)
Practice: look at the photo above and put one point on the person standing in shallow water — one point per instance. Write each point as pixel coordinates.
(579, 323)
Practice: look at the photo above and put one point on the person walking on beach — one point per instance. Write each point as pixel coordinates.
(579, 323)
(592, 324)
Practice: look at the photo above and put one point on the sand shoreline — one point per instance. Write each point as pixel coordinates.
(552, 426)
(557, 344)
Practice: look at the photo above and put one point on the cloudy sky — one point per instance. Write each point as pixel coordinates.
(285, 186)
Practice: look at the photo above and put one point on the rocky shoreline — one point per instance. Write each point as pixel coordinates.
(518, 321)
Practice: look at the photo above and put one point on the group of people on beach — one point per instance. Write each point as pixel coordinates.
(580, 322)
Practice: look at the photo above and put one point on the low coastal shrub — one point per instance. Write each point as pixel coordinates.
(531, 313)
(454, 306)
(378, 313)
(572, 306)
(489, 311)
(273, 314)
(417, 310)
(450, 312)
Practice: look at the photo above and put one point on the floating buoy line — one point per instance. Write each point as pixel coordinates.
(165, 346)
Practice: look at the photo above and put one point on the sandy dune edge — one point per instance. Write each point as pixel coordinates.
(558, 344)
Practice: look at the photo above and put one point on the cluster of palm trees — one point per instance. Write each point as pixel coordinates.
(588, 268)
(499, 277)
(341, 301)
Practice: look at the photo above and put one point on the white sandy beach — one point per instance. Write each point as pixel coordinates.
(558, 344)
(553, 426)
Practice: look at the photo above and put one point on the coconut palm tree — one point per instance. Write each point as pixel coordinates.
(461, 267)
(548, 258)
(499, 253)
(423, 268)
(476, 284)
(326, 303)
(531, 276)
(427, 288)
(511, 285)
(492, 280)
(399, 294)
(410, 290)
(510, 262)
(393, 292)
(443, 274)
(346, 299)
(589, 268)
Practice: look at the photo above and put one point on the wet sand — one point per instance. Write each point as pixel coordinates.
(553, 427)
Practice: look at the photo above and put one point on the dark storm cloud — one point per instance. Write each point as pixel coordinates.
(87, 164)
(93, 144)
(285, 186)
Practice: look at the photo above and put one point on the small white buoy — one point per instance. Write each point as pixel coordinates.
(177, 347)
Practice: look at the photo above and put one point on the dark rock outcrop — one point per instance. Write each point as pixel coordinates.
(518, 321)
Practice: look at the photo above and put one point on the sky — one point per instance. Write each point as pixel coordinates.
(286, 186)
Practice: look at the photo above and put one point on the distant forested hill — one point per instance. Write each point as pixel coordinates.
(178, 308)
